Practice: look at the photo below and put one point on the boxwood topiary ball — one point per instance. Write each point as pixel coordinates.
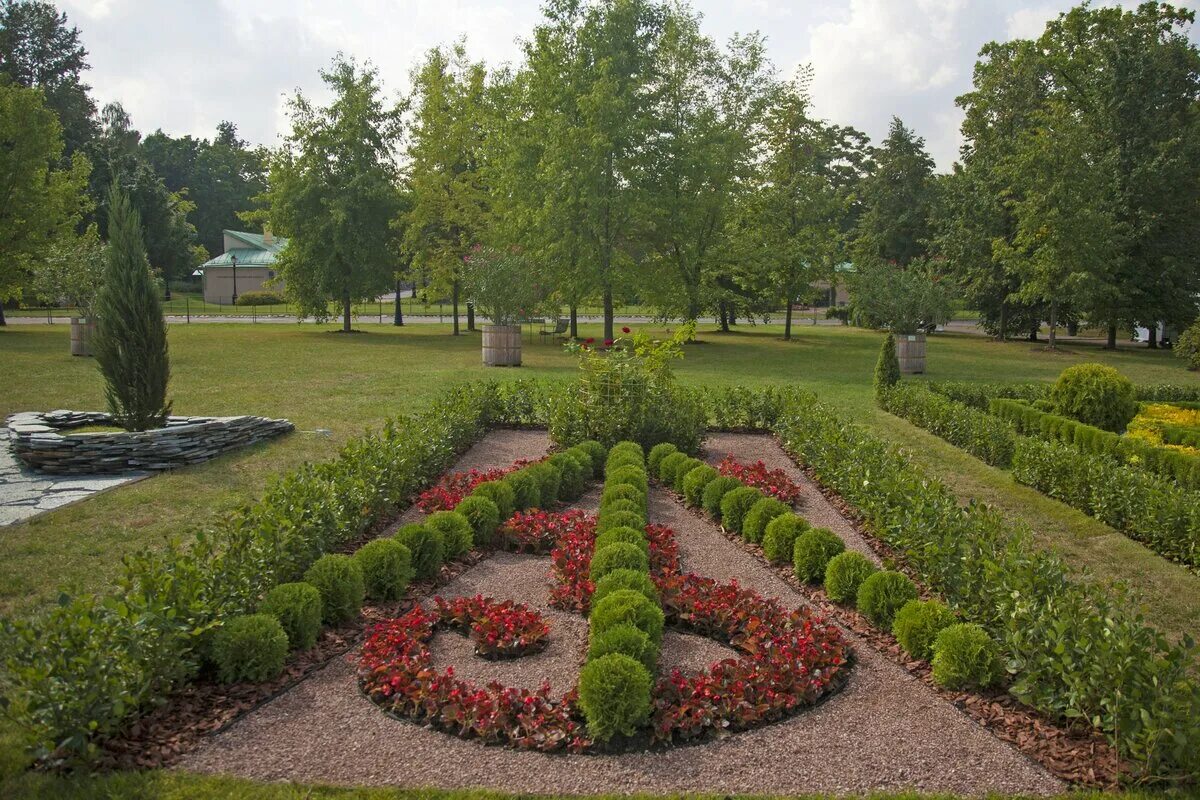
(623, 491)
(715, 492)
(618, 556)
(251, 647)
(812, 552)
(620, 519)
(584, 459)
(483, 515)
(736, 504)
(1095, 394)
(964, 655)
(629, 474)
(625, 579)
(426, 547)
(387, 568)
(658, 453)
(695, 481)
(627, 640)
(667, 467)
(844, 574)
(627, 606)
(623, 534)
(572, 481)
(598, 454)
(614, 695)
(549, 479)
(457, 533)
(526, 492)
(882, 595)
(499, 493)
(759, 515)
(297, 606)
(681, 472)
(779, 538)
(613, 506)
(339, 580)
(917, 624)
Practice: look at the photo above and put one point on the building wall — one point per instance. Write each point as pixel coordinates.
(218, 282)
(840, 296)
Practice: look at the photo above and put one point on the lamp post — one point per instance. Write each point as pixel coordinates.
(233, 260)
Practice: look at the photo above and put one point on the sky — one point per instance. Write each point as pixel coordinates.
(185, 65)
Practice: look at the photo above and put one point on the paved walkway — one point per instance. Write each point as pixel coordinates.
(25, 493)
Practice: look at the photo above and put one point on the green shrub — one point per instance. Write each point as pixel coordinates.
(668, 465)
(549, 480)
(627, 606)
(887, 368)
(844, 575)
(779, 538)
(754, 525)
(261, 298)
(526, 490)
(620, 519)
(387, 568)
(917, 624)
(695, 482)
(658, 453)
(628, 448)
(618, 556)
(882, 594)
(339, 580)
(501, 494)
(629, 474)
(1096, 394)
(458, 536)
(813, 551)
(297, 606)
(251, 647)
(979, 433)
(623, 491)
(681, 472)
(483, 515)
(1187, 346)
(573, 480)
(584, 459)
(620, 456)
(614, 695)
(613, 506)
(625, 535)
(715, 492)
(425, 545)
(636, 580)
(597, 453)
(736, 505)
(964, 655)
(627, 640)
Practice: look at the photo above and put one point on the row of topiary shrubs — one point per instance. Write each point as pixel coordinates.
(979, 395)
(963, 654)
(982, 435)
(626, 618)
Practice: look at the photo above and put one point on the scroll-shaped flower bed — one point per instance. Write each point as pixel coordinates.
(789, 659)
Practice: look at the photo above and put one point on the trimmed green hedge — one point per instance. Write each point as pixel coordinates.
(977, 432)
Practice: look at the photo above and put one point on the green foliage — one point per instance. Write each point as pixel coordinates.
(339, 580)
(573, 478)
(503, 496)
(812, 552)
(526, 489)
(715, 492)
(695, 482)
(251, 647)
(618, 504)
(882, 594)
(598, 454)
(887, 368)
(588, 461)
(1096, 394)
(261, 297)
(619, 519)
(681, 471)
(483, 515)
(629, 474)
(130, 343)
(658, 453)
(628, 640)
(1187, 346)
(614, 695)
(456, 530)
(636, 580)
(760, 515)
(623, 491)
(629, 606)
(980, 434)
(425, 546)
(387, 568)
(917, 624)
(980, 395)
(669, 464)
(297, 606)
(549, 480)
(964, 655)
(845, 573)
(779, 538)
(618, 556)
(905, 301)
(736, 504)
(501, 283)
(625, 535)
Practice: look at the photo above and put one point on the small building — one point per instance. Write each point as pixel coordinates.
(255, 255)
(834, 293)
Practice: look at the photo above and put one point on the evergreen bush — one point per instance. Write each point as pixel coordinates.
(882, 594)
(964, 655)
(297, 606)
(715, 492)
(614, 696)
(917, 624)
(458, 535)
(425, 546)
(736, 504)
(339, 580)
(251, 647)
(754, 525)
(779, 538)
(844, 575)
(812, 552)
(483, 515)
(387, 569)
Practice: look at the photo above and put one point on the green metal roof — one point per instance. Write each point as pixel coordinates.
(256, 253)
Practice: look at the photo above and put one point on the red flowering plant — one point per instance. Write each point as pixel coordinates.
(571, 561)
(772, 482)
(499, 630)
(452, 488)
(538, 531)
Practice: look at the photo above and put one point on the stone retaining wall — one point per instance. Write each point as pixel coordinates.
(44, 441)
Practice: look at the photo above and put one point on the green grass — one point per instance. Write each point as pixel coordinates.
(346, 384)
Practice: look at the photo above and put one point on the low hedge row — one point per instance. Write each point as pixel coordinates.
(980, 434)
(1071, 650)
(978, 395)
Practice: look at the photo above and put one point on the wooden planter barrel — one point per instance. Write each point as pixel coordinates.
(82, 331)
(910, 352)
(502, 345)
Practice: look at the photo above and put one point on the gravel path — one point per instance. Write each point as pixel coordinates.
(884, 731)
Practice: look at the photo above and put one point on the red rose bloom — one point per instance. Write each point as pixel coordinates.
(589, 340)
(624, 330)
(608, 342)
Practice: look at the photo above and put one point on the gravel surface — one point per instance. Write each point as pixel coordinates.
(884, 731)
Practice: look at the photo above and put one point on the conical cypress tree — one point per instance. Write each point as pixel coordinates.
(887, 369)
(130, 344)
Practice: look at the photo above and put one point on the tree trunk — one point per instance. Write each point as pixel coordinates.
(608, 313)
(1053, 322)
(346, 311)
(398, 314)
(3, 321)
(454, 306)
(574, 321)
(787, 323)
(1153, 340)
(1003, 332)
(470, 316)
(723, 317)
(1111, 342)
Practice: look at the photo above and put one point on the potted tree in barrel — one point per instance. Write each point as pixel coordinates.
(500, 283)
(907, 300)
(72, 274)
